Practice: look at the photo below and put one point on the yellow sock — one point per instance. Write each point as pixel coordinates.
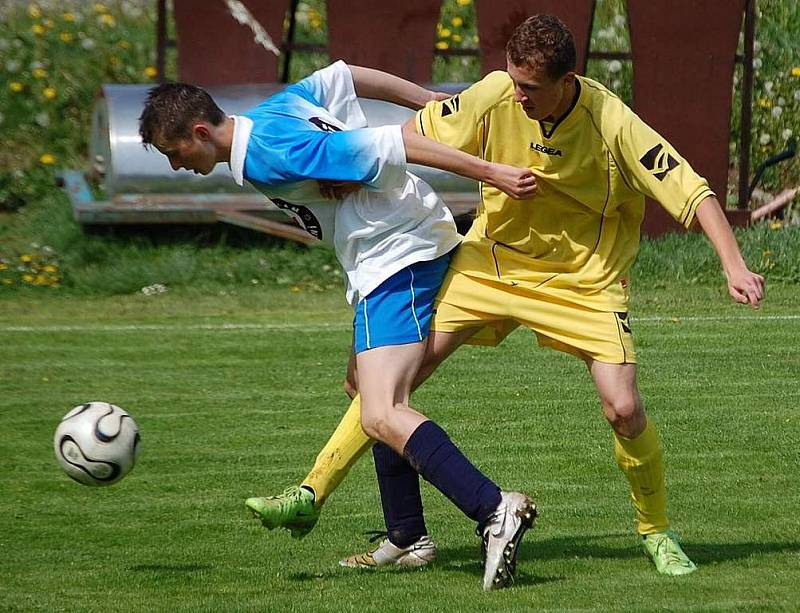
(344, 447)
(641, 459)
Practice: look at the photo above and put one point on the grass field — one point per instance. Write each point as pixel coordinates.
(234, 396)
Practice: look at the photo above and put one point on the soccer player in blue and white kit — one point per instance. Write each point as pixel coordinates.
(393, 240)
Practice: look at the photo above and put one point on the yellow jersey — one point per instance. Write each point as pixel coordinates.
(577, 238)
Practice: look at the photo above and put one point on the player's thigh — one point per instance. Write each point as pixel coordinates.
(385, 374)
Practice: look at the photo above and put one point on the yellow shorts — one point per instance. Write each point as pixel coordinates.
(497, 308)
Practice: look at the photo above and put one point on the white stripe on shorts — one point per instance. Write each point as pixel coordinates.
(413, 305)
(366, 323)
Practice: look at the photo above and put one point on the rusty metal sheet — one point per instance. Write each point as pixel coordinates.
(497, 19)
(397, 37)
(214, 49)
(683, 82)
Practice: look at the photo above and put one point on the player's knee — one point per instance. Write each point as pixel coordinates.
(374, 424)
(625, 414)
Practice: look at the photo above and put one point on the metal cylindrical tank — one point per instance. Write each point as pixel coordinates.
(122, 165)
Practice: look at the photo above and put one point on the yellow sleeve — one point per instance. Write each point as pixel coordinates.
(459, 120)
(657, 170)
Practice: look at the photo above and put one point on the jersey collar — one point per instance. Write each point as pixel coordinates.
(242, 126)
(549, 133)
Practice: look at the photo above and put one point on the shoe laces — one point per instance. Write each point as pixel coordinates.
(376, 535)
(669, 551)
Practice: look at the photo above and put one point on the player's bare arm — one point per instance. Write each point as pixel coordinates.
(519, 183)
(370, 83)
(744, 286)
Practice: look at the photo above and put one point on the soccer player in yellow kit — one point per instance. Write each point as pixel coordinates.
(557, 263)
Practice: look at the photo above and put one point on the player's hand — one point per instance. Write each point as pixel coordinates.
(351, 378)
(337, 190)
(440, 96)
(519, 183)
(746, 287)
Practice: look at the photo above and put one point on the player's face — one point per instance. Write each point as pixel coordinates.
(539, 95)
(195, 153)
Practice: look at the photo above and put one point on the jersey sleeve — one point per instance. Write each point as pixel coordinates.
(657, 170)
(332, 88)
(457, 121)
(373, 156)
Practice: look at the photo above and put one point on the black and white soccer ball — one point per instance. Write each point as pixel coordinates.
(97, 443)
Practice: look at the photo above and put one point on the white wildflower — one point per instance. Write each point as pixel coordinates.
(776, 111)
(12, 65)
(614, 66)
(620, 21)
(88, 44)
(786, 134)
(797, 95)
(768, 86)
(152, 290)
(764, 139)
(43, 119)
(757, 63)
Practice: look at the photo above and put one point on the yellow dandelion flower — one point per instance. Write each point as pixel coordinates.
(16, 86)
(445, 33)
(150, 72)
(28, 278)
(40, 280)
(37, 29)
(776, 225)
(107, 20)
(456, 38)
(764, 103)
(463, 2)
(796, 71)
(100, 8)
(49, 268)
(48, 159)
(766, 254)
(65, 37)
(124, 44)
(39, 73)
(457, 22)
(113, 60)
(295, 289)
(49, 93)
(25, 258)
(69, 17)
(34, 11)
(3, 266)
(48, 23)
(442, 45)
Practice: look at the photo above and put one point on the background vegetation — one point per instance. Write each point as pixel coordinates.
(55, 55)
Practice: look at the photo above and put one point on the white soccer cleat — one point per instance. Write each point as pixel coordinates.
(502, 535)
(415, 555)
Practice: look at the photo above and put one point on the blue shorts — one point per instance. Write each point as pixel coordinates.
(399, 310)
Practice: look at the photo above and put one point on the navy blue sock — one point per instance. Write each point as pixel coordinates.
(434, 456)
(400, 496)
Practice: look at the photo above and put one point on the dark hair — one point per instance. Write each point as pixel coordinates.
(170, 110)
(543, 41)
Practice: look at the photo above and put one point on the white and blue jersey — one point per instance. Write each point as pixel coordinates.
(316, 130)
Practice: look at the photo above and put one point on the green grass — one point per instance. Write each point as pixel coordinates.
(230, 412)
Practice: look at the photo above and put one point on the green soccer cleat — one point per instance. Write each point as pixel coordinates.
(666, 553)
(293, 510)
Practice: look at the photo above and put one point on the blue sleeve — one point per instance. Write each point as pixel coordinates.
(375, 156)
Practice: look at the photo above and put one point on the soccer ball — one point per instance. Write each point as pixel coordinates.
(97, 443)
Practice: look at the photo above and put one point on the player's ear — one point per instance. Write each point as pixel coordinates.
(201, 131)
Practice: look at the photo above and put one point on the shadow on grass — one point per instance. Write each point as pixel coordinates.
(170, 568)
(619, 546)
